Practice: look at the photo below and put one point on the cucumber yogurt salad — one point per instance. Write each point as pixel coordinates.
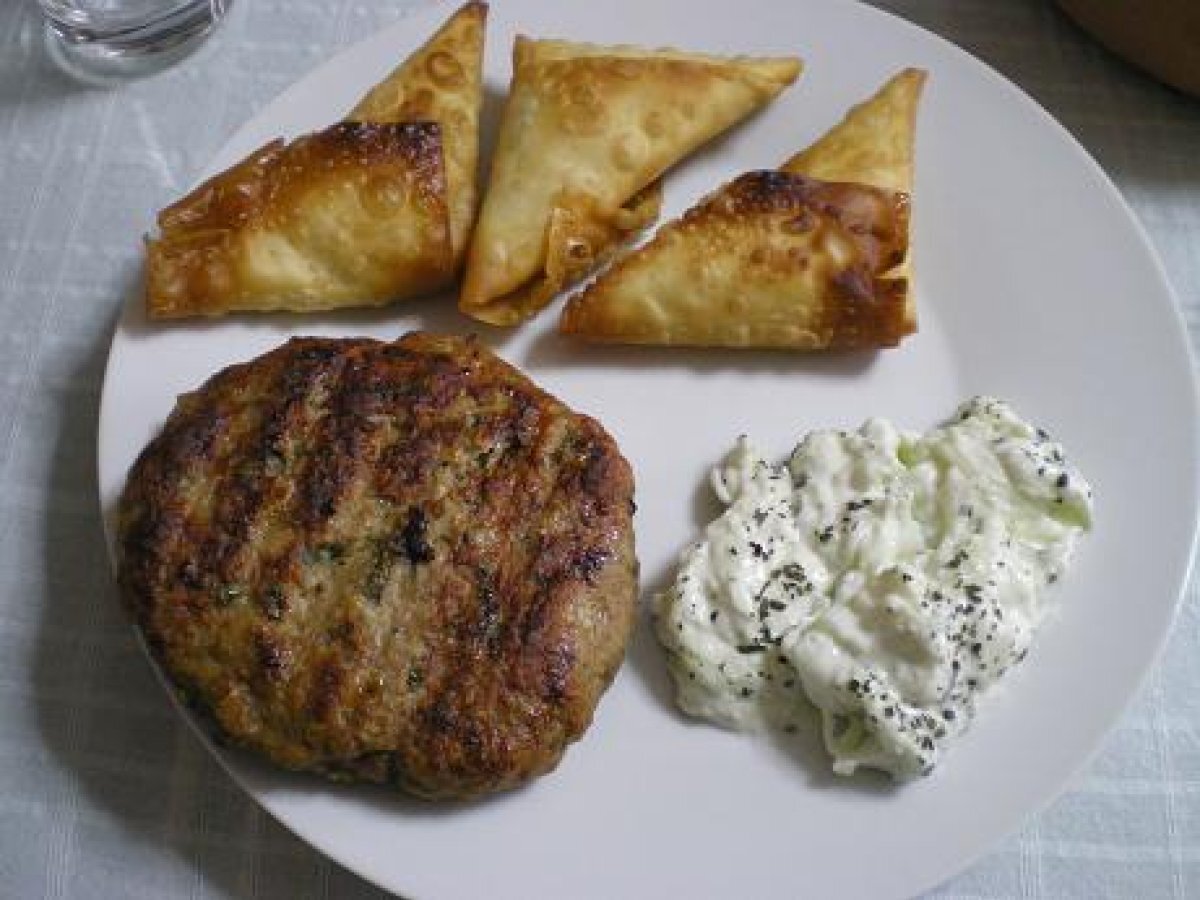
(887, 578)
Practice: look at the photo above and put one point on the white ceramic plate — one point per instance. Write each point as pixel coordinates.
(1035, 284)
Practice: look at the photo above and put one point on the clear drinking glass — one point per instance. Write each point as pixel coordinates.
(127, 33)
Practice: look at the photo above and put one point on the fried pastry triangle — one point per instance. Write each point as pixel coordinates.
(374, 209)
(585, 133)
(351, 216)
(780, 259)
(442, 82)
(773, 259)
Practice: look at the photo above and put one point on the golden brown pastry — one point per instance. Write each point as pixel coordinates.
(374, 209)
(873, 145)
(585, 133)
(771, 260)
(351, 216)
(810, 257)
(442, 82)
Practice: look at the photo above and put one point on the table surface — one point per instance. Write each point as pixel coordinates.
(103, 790)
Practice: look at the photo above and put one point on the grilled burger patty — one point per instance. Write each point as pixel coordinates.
(390, 562)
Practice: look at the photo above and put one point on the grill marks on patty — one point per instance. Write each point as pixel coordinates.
(385, 561)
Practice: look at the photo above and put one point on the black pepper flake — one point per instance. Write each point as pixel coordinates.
(746, 692)
(949, 715)
(957, 559)
(751, 648)
(712, 616)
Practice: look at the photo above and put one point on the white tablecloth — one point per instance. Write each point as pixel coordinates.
(104, 793)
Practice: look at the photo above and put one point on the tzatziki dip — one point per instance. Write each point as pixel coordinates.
(888, 578)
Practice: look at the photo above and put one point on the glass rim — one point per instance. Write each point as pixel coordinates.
(76, 25)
